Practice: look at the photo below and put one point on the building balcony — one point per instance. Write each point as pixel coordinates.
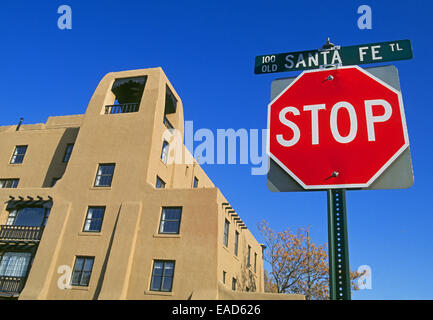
(20, 233)
(11, 286)
(121, 108)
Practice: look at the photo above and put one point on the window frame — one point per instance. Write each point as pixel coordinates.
(104, 175)
(67, 154)
(81, 272)
(13, 215)
(160, 182)
(162, 219)
(249, 256)
(234, 284)
(15, 154)
(13, 183)
(226, 232)
(170, 95)
(93, 219)
(25, 269)
(164, 262)
(236, 248)
(195, 182)
(165, 151)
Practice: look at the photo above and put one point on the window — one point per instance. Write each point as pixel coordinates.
(160, 184)
(104, 175)
(236, 242)
(170, 102)
(82, 271)
(19, 154)
(167, 123)
(9, 183)
(195, 185)
(162, 276)
(255, 262)
(170, 220)
(249, 256)
(224, 277)
(28, 216)
(94, 218)
(127, 93)
(226, 232)
(14, 264)
(164, 151)
(53, 183)
(234, 284)
(68, 152)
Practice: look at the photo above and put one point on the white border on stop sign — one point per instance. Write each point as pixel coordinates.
(340, 186)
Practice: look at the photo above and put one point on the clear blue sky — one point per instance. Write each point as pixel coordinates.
(207, 50)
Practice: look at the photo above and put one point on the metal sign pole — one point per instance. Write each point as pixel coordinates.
(339, 271)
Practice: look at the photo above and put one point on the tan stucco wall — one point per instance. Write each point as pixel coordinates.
(128, 243)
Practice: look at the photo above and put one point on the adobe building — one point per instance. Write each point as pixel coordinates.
(93, 207)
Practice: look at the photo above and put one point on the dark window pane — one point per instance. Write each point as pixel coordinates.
(236, 242)
(85, 278)
(94, 219)
(156, 283)
(14, 264)
(107, 169)
(79, 263)
(68, 152)
(170, 220)
(9, 183)
(168, 269)
(226, 232)
(104, 175)
(158, 268)
(164, 151)
(162, 276)
(170, 226)
(88, 265)
(30, 217)
(166, 284)
(171, 213)
(76, 276)
(82, 271)
(170, 102)
(160, 184)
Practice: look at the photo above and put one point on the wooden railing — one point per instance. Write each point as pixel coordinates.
(121, 108)
(12, 285)
(20, 233)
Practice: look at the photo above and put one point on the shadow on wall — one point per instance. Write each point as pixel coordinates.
(57, 167)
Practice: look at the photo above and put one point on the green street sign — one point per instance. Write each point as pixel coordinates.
(350, 55)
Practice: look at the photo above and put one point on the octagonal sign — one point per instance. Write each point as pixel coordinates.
(336, 128)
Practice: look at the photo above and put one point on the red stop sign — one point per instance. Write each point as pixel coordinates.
(336, 128)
